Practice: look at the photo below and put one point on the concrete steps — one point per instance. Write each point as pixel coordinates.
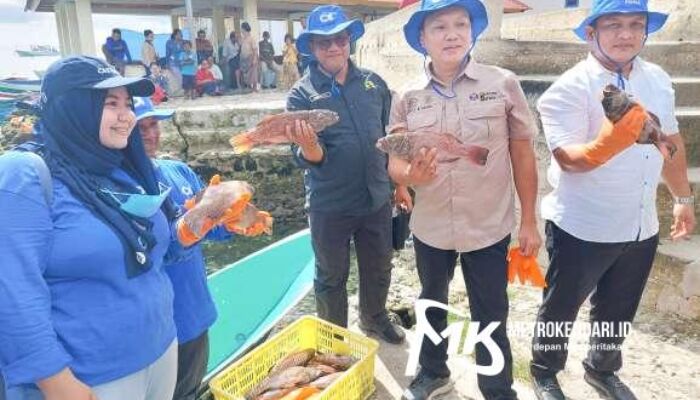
(687, 87)
(674, 283)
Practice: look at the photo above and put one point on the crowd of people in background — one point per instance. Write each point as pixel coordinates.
(194, 69)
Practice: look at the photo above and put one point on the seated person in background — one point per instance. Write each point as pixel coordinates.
(216, 72)
(205, 82)
(161, 82)
(116, 51)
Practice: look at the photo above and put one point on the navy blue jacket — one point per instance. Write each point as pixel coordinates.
(352, 178)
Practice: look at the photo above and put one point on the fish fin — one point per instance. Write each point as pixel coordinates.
(265, 119)
(242, 143)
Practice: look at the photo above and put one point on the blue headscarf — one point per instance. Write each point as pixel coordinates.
(69, 128)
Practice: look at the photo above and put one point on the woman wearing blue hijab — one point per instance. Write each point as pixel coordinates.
(85, 306)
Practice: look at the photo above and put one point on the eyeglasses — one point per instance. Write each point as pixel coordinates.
(325, 44)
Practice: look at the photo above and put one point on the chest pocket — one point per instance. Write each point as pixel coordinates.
(483, 122)
(422, 120)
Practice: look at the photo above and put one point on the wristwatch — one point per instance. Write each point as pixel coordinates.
(684, 200)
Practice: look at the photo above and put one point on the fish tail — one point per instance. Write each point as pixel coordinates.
(267, 221)
(476, 154)
(242, 143)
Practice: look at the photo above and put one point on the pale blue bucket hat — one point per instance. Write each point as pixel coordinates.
(655, 20)
(477, 15)
(327, 21)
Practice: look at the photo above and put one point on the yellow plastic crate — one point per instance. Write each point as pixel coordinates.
(357, 383)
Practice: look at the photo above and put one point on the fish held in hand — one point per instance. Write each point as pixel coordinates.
(616, 103)
(407, 145)
(272, 128)
(218, 198)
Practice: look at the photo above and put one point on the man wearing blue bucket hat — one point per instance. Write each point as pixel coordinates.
(463, 211)
(347, 185)
(601, 220)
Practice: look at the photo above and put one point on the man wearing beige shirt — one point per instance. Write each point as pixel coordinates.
(462, 210)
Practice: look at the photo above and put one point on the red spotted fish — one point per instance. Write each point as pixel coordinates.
(407, 145)
(272, 128)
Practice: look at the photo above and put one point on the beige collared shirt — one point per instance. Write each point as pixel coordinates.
(467, 207)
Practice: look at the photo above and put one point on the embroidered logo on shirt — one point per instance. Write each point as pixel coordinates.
(320, 96)
(369, 85)
(419, 104)
(485, 96)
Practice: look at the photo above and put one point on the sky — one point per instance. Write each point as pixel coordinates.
(20, 29)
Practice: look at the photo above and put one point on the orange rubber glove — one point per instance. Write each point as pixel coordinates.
(187, 237)
(526, 268)
(614, 138)
(250, 222)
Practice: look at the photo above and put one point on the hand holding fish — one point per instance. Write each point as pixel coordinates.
(301, 134)
(423, 167)
(205, 211)
(628, 123)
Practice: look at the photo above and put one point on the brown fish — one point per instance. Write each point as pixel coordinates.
(271, 130)
(406, 145)
(617, 103)
(253, 222)
(293, 360)
(325, 381)
(337, 361)
(288, 378)
(217, 199)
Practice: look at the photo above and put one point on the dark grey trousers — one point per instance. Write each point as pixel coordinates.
(485, 275)
(331, 235)
(615, 273)
(192, 359)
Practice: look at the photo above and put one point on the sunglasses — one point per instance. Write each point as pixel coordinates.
(325, 44)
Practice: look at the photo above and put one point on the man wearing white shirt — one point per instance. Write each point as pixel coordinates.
(602, 227)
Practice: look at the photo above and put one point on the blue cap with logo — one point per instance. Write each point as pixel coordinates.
(143, 107)
(477, 16)
(84, 72)
(327, 21)
(655, 20)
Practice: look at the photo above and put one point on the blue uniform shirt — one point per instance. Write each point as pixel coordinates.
(352, 178)
(65, 298)
(193, 307)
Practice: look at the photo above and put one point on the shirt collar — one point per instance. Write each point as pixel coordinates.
(320, 78)
(470, 71)
(596, 68)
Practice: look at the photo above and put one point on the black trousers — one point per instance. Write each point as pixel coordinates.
(615, 273)
(331, 236)
(485, 275)
(192, 359)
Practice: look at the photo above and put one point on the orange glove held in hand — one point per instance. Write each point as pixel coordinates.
(526, 268)
(614, 138)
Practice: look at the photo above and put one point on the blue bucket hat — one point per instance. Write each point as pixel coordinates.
(477, 15)
(327, 21)
(143, 107)
(84, 72)
(655, 20)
